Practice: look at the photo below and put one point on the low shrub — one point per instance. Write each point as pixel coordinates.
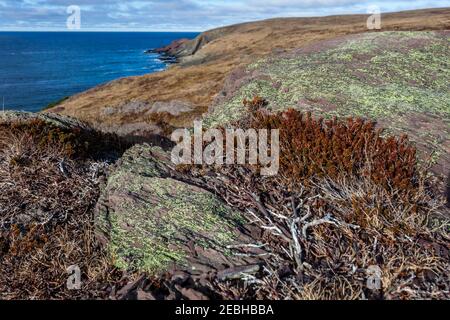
(49, 182)
(347, 199)
(313, 147)
(75, 142)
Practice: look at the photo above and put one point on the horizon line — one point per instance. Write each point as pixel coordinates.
(200, 30)
(102, 30)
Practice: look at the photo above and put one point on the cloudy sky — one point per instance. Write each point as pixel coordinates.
(179, 15)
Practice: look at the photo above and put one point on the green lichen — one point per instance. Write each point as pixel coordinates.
(152, 222)
(375, 75)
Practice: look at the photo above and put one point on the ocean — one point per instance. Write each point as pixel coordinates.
(39, 68)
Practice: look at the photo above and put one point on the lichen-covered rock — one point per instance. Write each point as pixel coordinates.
(374, 75)
(153, 222)
(399, 79)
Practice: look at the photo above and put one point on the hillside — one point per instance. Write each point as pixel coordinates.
(139, 228)
(185, 91)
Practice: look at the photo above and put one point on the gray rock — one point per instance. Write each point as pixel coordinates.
(152, 221)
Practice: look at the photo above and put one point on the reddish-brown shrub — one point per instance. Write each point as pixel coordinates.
(346, 199)
(49, 177)
(328, 148)
(75, 142)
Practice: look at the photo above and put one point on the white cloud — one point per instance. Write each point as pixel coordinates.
(182, 14)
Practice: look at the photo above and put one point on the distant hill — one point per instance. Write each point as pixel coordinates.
(177, 96)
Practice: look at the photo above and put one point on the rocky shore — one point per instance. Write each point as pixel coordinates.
(170, 54)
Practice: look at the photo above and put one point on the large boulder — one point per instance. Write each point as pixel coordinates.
(399, 79)
(154, 222)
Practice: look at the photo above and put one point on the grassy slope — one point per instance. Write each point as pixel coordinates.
(198, 79)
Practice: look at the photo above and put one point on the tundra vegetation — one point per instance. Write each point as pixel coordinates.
(364, 144)
(347, 199)
(398, 79)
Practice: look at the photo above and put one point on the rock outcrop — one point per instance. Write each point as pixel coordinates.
(399, 79)
(152, 221)
(54, 119)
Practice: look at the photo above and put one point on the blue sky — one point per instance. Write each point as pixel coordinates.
(179, 15)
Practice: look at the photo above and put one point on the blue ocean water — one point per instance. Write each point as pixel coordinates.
(38, 68)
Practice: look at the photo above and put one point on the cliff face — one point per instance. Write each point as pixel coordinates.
(188, 89)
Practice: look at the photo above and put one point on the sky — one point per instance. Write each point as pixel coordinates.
(178, 15)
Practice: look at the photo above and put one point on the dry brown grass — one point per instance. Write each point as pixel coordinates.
(324, 226)
(201, 77)
(46, 220)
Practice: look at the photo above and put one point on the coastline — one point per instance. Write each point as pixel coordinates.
(203, 64)
(170, 54)
(353, 210)
(71, 66)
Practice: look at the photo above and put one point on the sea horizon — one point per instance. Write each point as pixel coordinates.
(100, 31)
(42, 67)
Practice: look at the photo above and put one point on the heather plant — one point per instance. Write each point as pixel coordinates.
(330, 148)
(347, 200)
